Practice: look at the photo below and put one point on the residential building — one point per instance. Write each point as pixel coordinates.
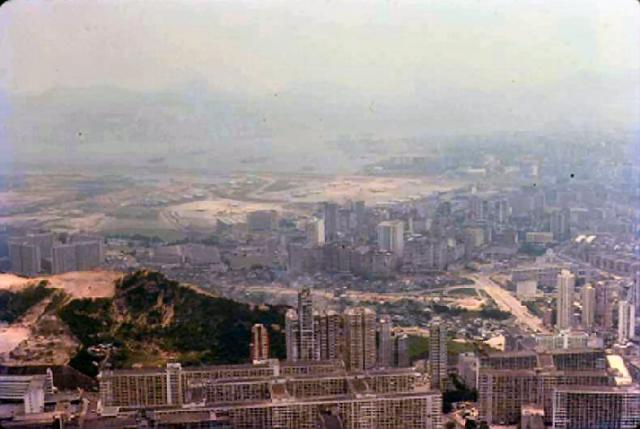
(401, 351)
(588, 307)
(330, 217)
(385, 342)
(328, 333)
(605, 293)
(307, 341)
(292, 334)
(596, 407)
(25, 258)
(391, 236)
(508, 381)
(626, 321)
(559, 225)
(315, 232)
(360, 338)
(173, 385)
(438, 356)
(89, 255)
(258, 397)
(259, 343)
(63, 258)
(565, 296)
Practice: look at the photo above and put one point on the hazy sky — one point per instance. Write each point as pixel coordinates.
(385, 48)
(293, 75)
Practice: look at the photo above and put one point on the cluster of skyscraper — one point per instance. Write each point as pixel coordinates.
(424, 236)
(37, 253)
(355, 336)
(597, 306)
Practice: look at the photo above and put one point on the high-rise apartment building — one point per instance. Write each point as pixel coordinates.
(626, 321)
(89, 251)
(273, 395)
(604, 305)
(588, 307)
(25, 258)
(88, 255)
(565, 295)
(391, 236)
(401, 351)
(477, 208)
(63, 258)
(559, 225)
(292, 334)
(259, 343)
(360, 338)
(42, 240)
(328, 332)
(508, 381)
(601, 407)
(81, 254)
(438, 356)
(330, 217)
(315, 232)
(311, 335)
(501, 211)
(155, 387)
(307, 341)
(385, 342)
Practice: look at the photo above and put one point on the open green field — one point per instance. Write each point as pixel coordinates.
(419, 347)
(464, 292)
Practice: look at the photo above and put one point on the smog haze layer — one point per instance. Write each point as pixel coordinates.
(284, 86)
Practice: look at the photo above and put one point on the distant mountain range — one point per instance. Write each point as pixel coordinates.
(195, 127)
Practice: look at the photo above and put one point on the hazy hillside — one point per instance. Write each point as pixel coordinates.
(110, 123)
(197, 128)
(151, 320)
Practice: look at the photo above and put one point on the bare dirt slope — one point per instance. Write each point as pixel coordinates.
(84, 284)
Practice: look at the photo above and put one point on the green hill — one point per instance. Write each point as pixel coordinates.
(152, 320)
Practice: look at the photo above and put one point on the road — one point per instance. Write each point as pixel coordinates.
(507, 302)
(424, 296)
